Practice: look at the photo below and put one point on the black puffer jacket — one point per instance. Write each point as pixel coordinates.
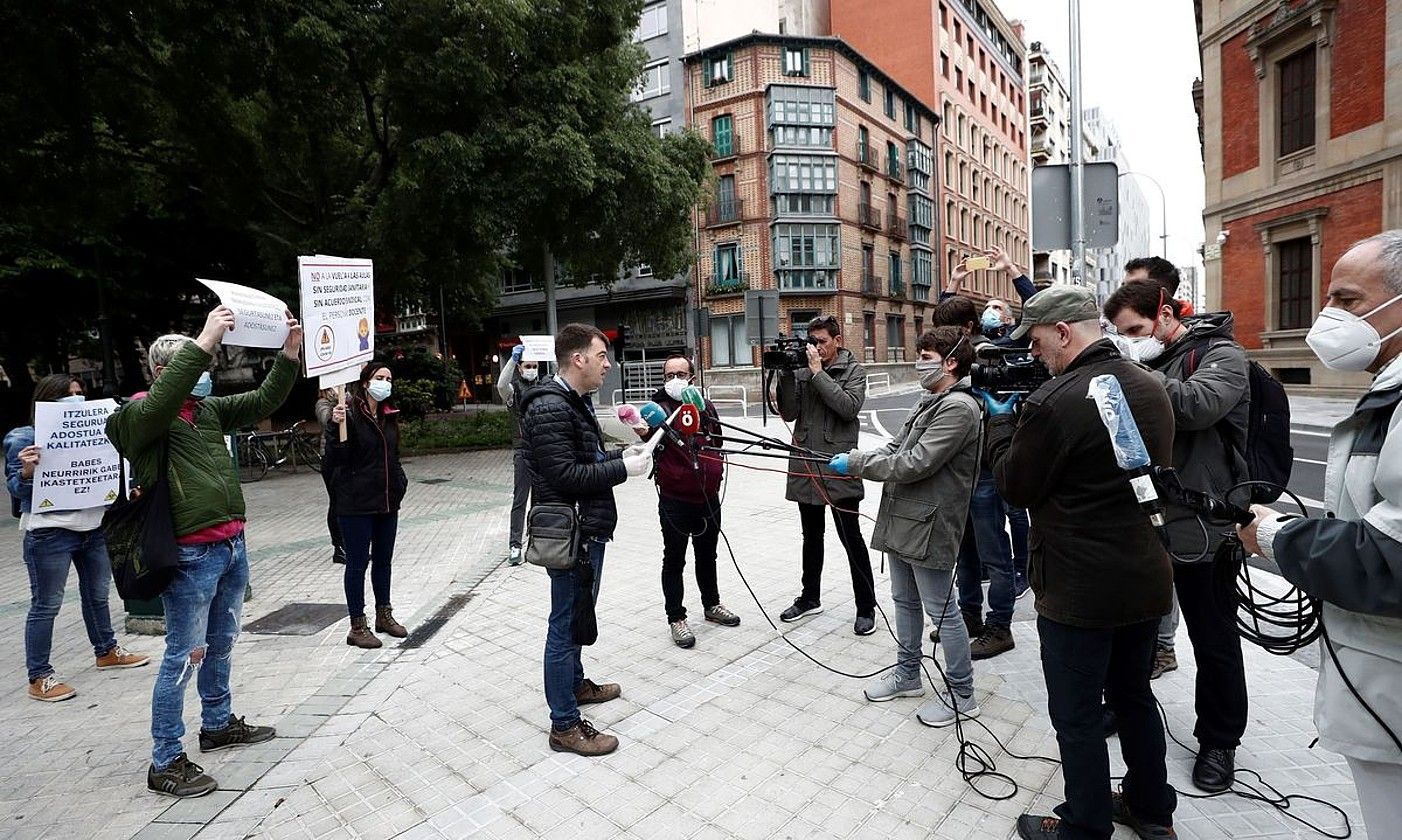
(568, 464)
(365, 470)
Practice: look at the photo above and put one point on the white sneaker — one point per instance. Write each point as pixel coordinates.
(515, 558)
(938, 711)
(891, 685)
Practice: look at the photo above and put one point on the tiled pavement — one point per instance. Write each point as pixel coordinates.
(739, 737)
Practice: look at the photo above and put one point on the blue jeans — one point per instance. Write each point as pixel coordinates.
(47, 554)
(369, 542)
(564, 670)
(985, 547)
(919, 591)
(203, 605)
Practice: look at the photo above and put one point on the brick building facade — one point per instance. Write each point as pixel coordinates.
(823, 168)
(1302, 144)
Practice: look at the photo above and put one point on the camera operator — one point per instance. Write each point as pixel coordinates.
(1205, 374)
(823, 401)
(1352, 558)
(1101, 578)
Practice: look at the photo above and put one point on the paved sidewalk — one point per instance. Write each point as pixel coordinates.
(739, 737)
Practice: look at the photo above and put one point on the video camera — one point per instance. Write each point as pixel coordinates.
(1007, 370)
(787, 353)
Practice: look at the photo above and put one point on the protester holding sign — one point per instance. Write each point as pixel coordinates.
(54, 539)
(180, 423)
(369, 485)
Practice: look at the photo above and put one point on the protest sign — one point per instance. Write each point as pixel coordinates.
(339, 377)
(78, 467)
(539, 348)
(338, 312)
(260, 320)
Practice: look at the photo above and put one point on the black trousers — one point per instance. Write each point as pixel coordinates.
(699, 523)
(849, 530)
(1079, 664)
(333, 522)
(1220, 699)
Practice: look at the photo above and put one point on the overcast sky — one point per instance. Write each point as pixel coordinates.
(1139, 68)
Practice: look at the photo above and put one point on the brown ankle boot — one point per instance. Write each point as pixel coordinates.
(360, 635)
(385, 623)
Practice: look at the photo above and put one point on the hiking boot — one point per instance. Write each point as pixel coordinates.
(118, 657)
(722, 616)
(893, 684)
(385, 623)
(183, 779)
(1214, 769)
(1165, 660)
(939, 710)
(338, 556)
(1120, 813)
(236, 733)
(360, 635)
(515, 558)
(1033, 827)
(591, 692)
(50, 689)
(865, 625)
(996, 639)
(682, 636)
(582, 739)
(799, 609)
(973, 622)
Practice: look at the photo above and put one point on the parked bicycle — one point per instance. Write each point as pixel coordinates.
(258, 452)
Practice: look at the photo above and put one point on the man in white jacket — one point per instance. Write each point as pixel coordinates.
(1352, 559)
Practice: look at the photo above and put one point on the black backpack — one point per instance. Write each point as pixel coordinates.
(1267, 450)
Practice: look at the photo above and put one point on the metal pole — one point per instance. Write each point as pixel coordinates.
(1163, 207)
(1078, 218)
(442, 325)
(104, 330)
(548, 269)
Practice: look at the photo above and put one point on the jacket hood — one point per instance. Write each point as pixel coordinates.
(1389, 377)
(1208, 327)
(549, 386)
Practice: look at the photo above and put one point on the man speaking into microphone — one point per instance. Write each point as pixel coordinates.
(1100, 574)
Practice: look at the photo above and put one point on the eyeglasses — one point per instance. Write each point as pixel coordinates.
(675, 375)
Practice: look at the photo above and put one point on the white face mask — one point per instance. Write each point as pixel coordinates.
(71, 398)
(380, 389)
(1144, 349)
(674, 388)
(931, 372)
(529, 374)
(1345, 341)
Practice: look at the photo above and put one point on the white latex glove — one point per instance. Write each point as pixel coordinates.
(637, 463)
(634, 450)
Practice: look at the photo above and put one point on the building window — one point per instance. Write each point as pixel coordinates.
(864, 84)
(801, 116)
(1295, 259)
(1297, 102)
(728, 273)
(895, 338)
(795, 61)
(944, 65)
(798, 322)
(515, 280)
(662, 127)
(806, 256)
(723, 135)
(890, 102)
(652, 23)
(912, 119)
(893, 161)
(893, 263)
(729, 344)
(869, 336)
(803, 173)
(655, 81)
(717, 69)
(958, 80)
(727, 207)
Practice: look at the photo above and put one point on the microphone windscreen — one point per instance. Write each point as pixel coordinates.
(1115, 413)
(688, 419)
(653, 414)
(628, 415)
(691, 395)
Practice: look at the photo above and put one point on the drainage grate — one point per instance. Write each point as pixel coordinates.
(298, 619)
(435, 622)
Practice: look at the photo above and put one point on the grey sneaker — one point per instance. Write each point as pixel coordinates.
(722, 616)
(682, 635)
(939, 710)
(235, 734)
(891, 685)
(183, 779)
(515, 558)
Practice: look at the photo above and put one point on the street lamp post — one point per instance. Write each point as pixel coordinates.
(1163, 206)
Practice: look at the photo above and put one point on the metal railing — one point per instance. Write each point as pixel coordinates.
(871, 283)
(895, 170)
(875, 380)
(726, 150)
(743, 400)
(868, 217)
(725, 212)
(897, 287)
(897, 227)
(728, 285)
(866, 159)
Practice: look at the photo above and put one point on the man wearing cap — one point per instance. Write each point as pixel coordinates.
(1101, 577)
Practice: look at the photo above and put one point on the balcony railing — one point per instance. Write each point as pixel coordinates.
(897, 288)
(871, 284)
(894, 170)
(726, 212)
(866, 158)
(732, 285)
(896, 226)
(726, 148)
(867, 216)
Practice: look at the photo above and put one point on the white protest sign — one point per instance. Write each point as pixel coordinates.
(338, 312)
(539, 348)
(78, 467)
(344, 376)
(260, 320)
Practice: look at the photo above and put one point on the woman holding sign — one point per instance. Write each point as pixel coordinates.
(54, 540)
(369, 484)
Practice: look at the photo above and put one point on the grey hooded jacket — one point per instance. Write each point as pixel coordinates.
(824, 409)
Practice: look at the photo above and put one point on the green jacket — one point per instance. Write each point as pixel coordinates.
(204, 486)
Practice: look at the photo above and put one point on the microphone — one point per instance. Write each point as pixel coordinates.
(628, 415)
(654, 415)
(692, 396)
(1130, 452)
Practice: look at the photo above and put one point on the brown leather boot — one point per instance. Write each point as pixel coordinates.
(360, 635)
(385, 623)
(591, 692)
(582, 738)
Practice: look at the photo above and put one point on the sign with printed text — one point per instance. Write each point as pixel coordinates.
(79, 468)
(338, 312)
(539, 348)
(260, 320)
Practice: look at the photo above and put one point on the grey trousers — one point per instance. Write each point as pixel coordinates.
(520, 495)
(1378, 787)
(918, 591)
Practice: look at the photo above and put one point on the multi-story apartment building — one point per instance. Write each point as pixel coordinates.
(1302, 143)
(824, 172)
(965, 56)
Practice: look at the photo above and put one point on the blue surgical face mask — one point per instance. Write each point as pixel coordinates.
(380, 389)
(991, 321)
(204, 386)
(71, 398)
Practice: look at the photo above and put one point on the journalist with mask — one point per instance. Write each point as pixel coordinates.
(1351, 559)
